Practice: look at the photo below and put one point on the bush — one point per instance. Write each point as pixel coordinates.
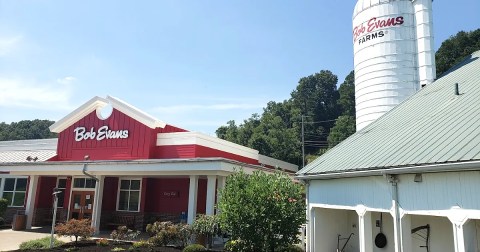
(291, 248)
(43, 243)
(124, 234)
(76, 228)
(164, 233)
(233, 246)
(102, 242)
(194, 248)
(141, 244)
(207, 225)
(3, 209)
(262, 210)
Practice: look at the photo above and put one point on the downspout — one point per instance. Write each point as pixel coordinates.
(84, 170)
(87, 174)
(95, 218)
(397, 219)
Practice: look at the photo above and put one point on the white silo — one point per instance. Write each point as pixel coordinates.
(393, 54)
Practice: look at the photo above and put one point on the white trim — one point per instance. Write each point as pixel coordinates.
(428, 168)
(139, 194)
(77, 114)
(135, 113)
(96, 103)
(277, 163)
(188, 138)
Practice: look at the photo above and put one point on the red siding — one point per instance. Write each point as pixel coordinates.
(156, 202)
(202, 196)
(109, 202)
(45, 187)
(198, 151)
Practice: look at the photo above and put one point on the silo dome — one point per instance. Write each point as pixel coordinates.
(386, 55)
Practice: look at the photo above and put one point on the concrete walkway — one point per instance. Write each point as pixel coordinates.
(11, 240)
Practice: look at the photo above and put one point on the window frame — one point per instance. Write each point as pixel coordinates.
(84, 188)
(64, 190)
(129, 190)
(2, 189)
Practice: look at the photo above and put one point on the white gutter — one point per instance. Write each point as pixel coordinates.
(430, 168)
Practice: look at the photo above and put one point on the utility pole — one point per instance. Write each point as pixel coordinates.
(303, 143)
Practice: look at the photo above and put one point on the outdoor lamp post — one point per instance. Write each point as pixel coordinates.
(55, 193)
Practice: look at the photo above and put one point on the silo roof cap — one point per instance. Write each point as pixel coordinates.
(365, 4)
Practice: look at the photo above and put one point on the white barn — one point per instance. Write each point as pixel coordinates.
(413, 175)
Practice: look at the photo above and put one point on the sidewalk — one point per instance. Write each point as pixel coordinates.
(11, 240)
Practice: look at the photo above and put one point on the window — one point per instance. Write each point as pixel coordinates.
(61, 185)
(84, 183)
(129, 196)
(14, 191)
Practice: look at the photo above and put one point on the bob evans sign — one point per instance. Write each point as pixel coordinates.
(369, 32)
(102, 133)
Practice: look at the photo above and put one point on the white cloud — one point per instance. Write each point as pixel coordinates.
(9, 44)
(201, 107)
(66, 80)
(20, 93)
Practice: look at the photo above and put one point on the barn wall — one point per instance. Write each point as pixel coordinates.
(440, 191)
(373, 192)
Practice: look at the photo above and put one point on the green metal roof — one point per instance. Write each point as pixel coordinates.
(433, 126)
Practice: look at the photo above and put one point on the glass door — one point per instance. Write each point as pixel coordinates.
(82, 205)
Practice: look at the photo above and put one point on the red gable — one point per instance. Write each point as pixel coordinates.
(118, 137)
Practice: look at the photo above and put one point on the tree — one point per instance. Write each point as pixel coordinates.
(262, 212)
(344, 127)
(455, 49)
(75, 228)
(26, 129)
(346, 102)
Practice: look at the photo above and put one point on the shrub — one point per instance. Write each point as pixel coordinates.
(75, 228)
(262, 210)
(207, 225)
(291, 248)
(234, 246)
(102, 242)
(124, 234)
(164, 233)
(141, 244)
(43, 243)
(3, 209)
(194, 248)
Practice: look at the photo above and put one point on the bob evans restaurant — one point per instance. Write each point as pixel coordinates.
(117, 165)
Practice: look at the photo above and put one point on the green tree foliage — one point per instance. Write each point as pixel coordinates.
(344, 127)
(455, 49)
(346, 102)
(277, 132)
(261, 211)
(26, 129)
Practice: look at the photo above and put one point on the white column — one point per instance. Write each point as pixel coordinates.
(97, 203)
(311, 237)
(406, 233)
(365, 238)
(192, 199)
(210, 204)
(32, 193)
(458, 217)
(308, 224)
(458, 237)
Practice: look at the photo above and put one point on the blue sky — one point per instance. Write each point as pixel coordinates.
(194, 64)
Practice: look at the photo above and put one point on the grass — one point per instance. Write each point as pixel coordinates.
(43, 243)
